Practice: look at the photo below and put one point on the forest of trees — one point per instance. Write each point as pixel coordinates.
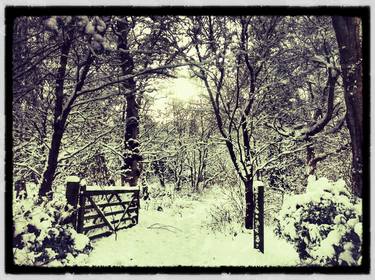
(280, 101)
(80, 81)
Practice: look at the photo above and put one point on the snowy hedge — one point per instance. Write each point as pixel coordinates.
(40, 236)
(324, 223)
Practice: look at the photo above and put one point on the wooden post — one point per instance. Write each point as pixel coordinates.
(72, 190)
(72, 193)
(138, 204)
(259, 217)
(81, 209)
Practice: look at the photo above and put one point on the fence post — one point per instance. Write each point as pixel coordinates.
(138, 205)
(81, 209)
(259, 216)
(72, 193)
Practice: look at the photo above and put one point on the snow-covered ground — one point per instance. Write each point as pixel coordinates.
(170, 238)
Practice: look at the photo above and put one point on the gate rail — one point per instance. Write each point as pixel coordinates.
(108, 208)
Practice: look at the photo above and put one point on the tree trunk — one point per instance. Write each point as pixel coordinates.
(310, 161)
(132, 167)
(58, 124)
(49, 173)
(249, 199)
(347, 31)
(132, 155)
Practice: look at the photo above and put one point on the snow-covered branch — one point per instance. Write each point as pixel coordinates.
(97, 138)
(280, 155)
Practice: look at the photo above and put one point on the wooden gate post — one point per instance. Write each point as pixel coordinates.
(81, 209)
(72, 194)
(259, 216)
(137, 205)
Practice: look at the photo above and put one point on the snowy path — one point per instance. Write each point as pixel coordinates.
(169, 239)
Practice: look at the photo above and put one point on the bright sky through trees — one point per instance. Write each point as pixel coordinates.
(182, 89)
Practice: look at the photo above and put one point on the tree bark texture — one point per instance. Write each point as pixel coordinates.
(58, 123)
(347, 31)
(61, 114)
(132, 165)
(249, 199)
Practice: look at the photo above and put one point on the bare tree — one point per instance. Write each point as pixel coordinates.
(67, 31)
(236, 84)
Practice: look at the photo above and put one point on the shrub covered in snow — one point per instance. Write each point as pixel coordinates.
(227, 211)
(324, 223)
(225, 218)
(39, 233)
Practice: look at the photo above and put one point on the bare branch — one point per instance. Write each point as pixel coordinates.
(301, 148)
(87, 145)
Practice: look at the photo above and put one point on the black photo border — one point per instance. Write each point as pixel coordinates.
(11, 12)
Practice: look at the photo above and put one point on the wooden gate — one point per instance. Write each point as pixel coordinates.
(103, 210)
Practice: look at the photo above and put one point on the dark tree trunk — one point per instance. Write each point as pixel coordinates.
(310, 160)
(347, 31)
(249, 199)
(132, 166)
(58, 124)
(60, 113)
(49, 173)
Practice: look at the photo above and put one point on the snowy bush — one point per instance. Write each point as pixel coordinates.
(226, 213)
(40, 236)
(224, 218)
(324, 223)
